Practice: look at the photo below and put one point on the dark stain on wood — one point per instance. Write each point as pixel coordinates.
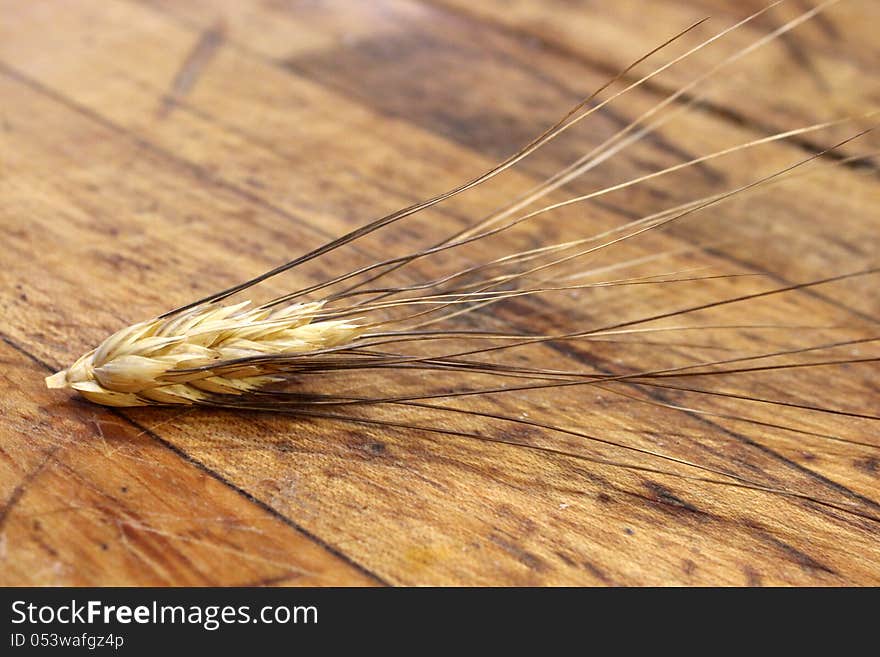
(192, 67)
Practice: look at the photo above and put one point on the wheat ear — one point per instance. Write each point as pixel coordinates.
(144, 363)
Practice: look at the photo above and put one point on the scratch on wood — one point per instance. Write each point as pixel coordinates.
(795, 555)
(231, 549)
(19, 491)
(531, 561)
(193, 67)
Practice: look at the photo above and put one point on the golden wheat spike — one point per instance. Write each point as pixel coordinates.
(142, 364)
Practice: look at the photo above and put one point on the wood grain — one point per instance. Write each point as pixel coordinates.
(177, 147)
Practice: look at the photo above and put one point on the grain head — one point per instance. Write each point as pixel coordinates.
(172, 359)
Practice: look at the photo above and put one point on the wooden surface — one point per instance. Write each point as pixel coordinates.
(154, 151)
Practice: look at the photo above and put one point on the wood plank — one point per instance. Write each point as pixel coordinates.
(532, 88)
(144, 208)
(90, 499)
(813, 72)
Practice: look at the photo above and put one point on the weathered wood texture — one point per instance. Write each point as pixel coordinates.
(155, 151)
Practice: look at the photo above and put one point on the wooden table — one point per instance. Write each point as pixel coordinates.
(153, 151)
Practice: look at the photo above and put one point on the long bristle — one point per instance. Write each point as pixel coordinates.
(304, 357)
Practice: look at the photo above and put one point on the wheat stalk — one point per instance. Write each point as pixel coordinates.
(221, 355)
(168, 360)
(214, 353)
